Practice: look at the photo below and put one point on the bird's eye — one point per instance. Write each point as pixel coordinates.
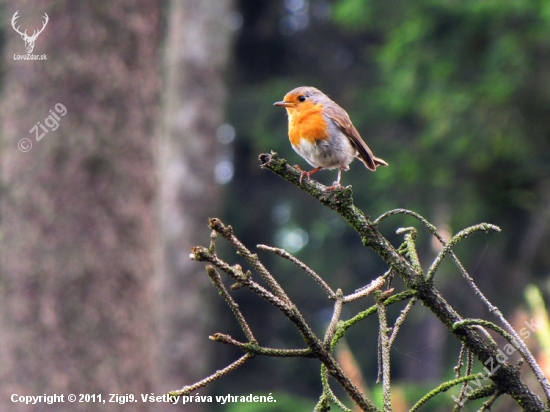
(302, 98)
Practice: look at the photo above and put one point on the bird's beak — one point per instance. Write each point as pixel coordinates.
(283, 104)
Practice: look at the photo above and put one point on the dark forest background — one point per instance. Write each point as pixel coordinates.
(169, 104)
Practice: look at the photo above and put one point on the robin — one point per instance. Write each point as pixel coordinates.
(322, 133)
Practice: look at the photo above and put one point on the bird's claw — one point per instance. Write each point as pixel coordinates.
(302, 174)
(335, 185)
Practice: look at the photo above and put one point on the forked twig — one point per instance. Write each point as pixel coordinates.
(217, 282)
(279, 299)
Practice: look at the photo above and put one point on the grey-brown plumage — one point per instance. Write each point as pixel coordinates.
(322, 133)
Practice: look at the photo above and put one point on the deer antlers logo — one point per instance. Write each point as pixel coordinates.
(29, 40)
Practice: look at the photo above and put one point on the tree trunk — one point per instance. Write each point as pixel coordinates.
(78, 210)
(195, 57)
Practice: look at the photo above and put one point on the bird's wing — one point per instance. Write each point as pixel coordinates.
(342, 120)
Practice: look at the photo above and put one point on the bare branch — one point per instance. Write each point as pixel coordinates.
(545, 384)
(384, 350)
(376, 284)
(444, 387)
(516, 341)
(345, 325)
(255, 349)
(399, 321)
(227, 233)
(485, 227)
(487, 405)
(285, 306)
(405, 263)
(408, 248)
(186, 390)
(328, 395)
(217, 282)
(331, 329)
(283, 253)
(462, 395)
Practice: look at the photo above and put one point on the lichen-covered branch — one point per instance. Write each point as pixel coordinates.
(343, 326)
(506, 378)
(515, 341)
(255, 349)
(366, 290)
(384, 350)
(186, 390)
(404, 262)
(217, 282)
(442, 388)
(331, 329)
(252, 258)
(543, 380)
(328, 395)
(485, 227)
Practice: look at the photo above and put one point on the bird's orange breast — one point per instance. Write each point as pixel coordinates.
(306, 122)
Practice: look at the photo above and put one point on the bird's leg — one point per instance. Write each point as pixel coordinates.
(337, 185)
(308, 174)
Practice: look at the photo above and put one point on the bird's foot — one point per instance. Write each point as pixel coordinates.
(306, 174)
(302, 174)
(335, 185)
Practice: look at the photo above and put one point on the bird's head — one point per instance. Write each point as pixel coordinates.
(302, 98)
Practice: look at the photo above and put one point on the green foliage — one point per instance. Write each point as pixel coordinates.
(464, 71)
(354, 13)
(469, 83)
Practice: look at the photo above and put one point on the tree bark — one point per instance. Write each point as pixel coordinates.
(78, 210)
(195, 57)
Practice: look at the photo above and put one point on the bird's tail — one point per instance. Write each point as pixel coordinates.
(379, 162)
(371, 162)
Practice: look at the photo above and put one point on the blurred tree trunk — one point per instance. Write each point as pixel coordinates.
(196, 54)
(78, 210)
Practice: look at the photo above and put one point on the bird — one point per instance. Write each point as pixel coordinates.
(322, 133)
